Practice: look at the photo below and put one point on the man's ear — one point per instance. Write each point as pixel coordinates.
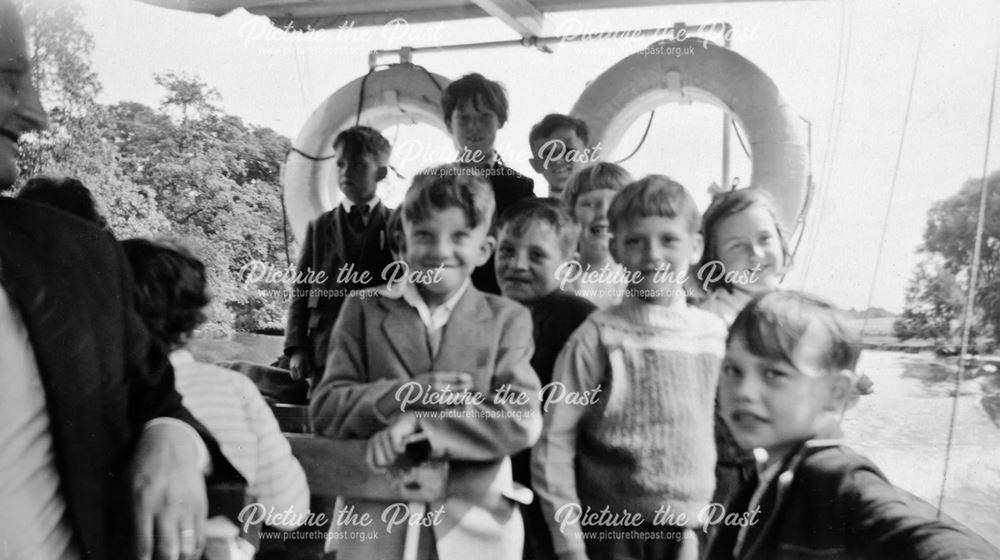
(382, 173)
(486, 249)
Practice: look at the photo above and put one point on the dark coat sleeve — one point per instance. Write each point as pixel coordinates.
(297, 327)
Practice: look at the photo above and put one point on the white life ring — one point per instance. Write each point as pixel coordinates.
(400, 93)
(708, 73)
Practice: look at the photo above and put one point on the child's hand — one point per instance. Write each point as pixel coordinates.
(689, 546)
(299, 365)
(387, 445)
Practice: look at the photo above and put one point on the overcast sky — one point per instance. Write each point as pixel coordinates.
(275, 80)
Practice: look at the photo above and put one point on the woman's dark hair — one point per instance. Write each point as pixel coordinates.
(170, 289)
(65, 193)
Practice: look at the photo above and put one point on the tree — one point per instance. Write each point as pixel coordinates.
(74, 144)
(217, 181)
(934, 299)
(186, 170)
(937, 294)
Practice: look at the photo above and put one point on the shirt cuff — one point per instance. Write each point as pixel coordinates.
(202, 459)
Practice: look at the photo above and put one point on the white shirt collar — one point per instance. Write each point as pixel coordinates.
(438, 318)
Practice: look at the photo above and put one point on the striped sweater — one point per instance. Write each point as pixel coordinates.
(648, 440)
(232, 409)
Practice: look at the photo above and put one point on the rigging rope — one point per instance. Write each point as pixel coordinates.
(740, 138)
(895, 178)
(973, 276)
(833, 133)
(641, 140)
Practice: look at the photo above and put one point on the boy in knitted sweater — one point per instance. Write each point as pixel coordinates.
(626, 453)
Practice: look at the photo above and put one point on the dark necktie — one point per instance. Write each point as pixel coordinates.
(357, 218)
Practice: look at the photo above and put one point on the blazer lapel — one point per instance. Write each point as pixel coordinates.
(374, 234)
(468, 332)
(336, 232)
(406, 334)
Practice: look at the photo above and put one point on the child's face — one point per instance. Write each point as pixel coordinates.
(557, 157)
(773, 404)
(748, 239)
(445, 239)
(526, 264)
(591, 212)
(358, 176)
(474, 129)
(662, 250)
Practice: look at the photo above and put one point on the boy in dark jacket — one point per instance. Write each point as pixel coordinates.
(786, 380)
(344, 249)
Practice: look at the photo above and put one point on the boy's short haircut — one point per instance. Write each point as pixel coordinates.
(449, 186)
(734, 202)
(654, 196)
(594, 177)
(477, 89)
(772, 325)
(359, 141)
(170, 289)
(554, 122)
(394, 231)
(519, 216)
(65, 193)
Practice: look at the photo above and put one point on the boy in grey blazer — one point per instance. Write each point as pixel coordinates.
(431, 357)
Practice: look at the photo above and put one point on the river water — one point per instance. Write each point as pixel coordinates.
(903, 428)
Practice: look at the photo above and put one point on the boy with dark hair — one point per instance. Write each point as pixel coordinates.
(641, 448)
(786, 382)
(350, 238)
(432, 336)
(474, 109)
(537, 238)
(558, 143)
(588, 196)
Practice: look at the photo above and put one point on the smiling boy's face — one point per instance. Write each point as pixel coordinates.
(445, 239)
(527, 261)
(591, 211)
(556, 157)
(775, 405)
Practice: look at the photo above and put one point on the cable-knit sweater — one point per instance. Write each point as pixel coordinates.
(647, 441)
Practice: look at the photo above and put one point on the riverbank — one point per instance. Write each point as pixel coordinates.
(904, 425)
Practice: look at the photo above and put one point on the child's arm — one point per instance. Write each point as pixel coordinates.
(344, 403)
(887, 522)
(297, 344)
(579, 367)
(279, 481)
(498, 427)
